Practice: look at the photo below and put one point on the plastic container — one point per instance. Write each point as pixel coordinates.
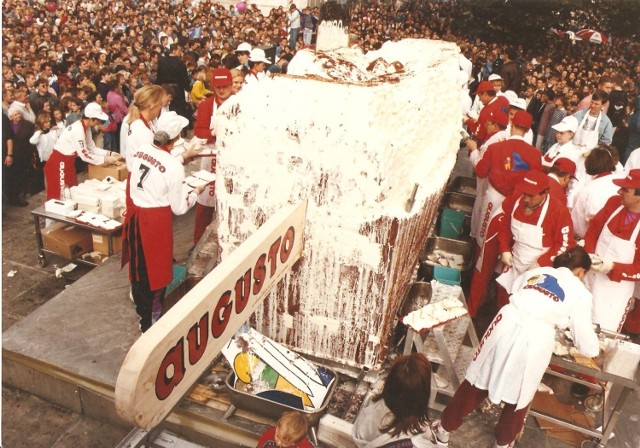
(452, 224)
(179, 275)
(447, 276)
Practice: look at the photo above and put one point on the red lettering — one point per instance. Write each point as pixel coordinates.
(165, 381)
(259, 274)
(243, 291)
(497, 319)
(273, 250)
(287, 244)
(221, 315)
(197, 339)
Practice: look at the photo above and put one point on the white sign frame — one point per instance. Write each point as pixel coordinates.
(164, 363)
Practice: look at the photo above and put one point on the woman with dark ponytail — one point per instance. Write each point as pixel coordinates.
(398, 416)
(517, 347)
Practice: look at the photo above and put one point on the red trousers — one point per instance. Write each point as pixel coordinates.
(632, 321)
(467, 398)
(204, 216)
(488, 254)
(502, 297)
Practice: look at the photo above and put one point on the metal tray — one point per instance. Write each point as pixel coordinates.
(460, 247)
(463, 185)
(458, 201)
(273, 409)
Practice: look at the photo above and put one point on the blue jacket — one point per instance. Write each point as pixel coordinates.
(605, 130)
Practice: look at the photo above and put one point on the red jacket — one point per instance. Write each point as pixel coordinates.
(617, 226)
(556, 190)
(267, 440)
(477, 128)
(202, 126)
(506, 163)
(557, 227)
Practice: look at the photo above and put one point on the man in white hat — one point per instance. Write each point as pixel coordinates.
(258, 62)
(564, 146)
(158, 190)
(497, 82)
(514, 106)
(76, 141)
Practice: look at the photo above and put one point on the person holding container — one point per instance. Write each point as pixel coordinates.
(76, 141)
(157, 191)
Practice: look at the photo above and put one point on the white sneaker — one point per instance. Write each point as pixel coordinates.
(440, 436)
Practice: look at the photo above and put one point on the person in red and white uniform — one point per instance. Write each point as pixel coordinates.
(504, 164)
(600, 164)
(564, 146)
(516, 105)
(534, 229)
(487, 96)
(613, 237)
(516, 348)
(205, 128)
(157, 190)
(138, 126)
(76, 141)
(560, 175)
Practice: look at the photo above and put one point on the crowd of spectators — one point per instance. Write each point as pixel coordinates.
(64, 54)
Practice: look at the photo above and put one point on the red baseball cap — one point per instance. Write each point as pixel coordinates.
(534, 182)
(522, 119)
(499, 117)
(565, 165)
(631, 181)
(221, 77)
(484, 86)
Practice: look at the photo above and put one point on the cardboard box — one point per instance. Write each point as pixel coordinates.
(101, 243)
(66, 240)
(117, 170)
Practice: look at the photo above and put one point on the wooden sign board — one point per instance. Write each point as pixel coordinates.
(166, 361)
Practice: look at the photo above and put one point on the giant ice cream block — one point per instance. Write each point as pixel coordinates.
(370, 141)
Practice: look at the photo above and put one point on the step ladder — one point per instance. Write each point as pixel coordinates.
(444, 346)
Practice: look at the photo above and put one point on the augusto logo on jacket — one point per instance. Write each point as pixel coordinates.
(546, 285)
(515, 163)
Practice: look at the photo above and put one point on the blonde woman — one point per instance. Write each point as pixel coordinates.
(238, 79)
(139, 124)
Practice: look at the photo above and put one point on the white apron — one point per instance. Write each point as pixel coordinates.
(491, 202)
(527, 247)
(476, 213)
(208, 195)
(512, 357)
(587, 140)
(611, 299)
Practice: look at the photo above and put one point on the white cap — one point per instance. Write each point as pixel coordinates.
(568, 123)
(243, 47)
(510, 95)
(258, 55)
(93, 110)
(520, 103)
(171, 123)
(494, 77)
